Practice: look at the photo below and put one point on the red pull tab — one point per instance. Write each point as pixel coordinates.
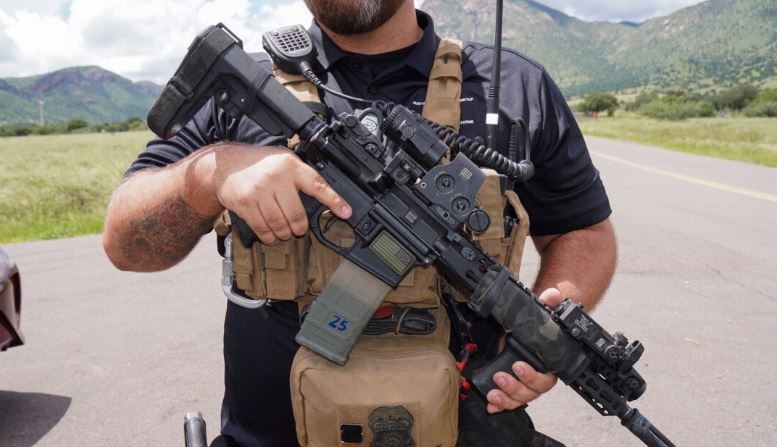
(384, 311)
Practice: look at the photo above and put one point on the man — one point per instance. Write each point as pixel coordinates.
(374, 50)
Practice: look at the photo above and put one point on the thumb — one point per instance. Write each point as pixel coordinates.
(551, 297)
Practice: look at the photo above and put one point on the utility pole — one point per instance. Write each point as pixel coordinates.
(42, 116)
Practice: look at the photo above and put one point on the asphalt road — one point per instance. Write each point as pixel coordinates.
(116, 359)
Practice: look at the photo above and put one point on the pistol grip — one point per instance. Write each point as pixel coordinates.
(483, 377)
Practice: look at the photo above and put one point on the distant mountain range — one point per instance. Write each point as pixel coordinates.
(712, 45)
(89, 93)
(709, 46)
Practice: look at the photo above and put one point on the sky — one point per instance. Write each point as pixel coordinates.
(146, 39)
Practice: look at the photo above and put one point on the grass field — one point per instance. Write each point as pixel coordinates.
(752, 140)
(58, 186)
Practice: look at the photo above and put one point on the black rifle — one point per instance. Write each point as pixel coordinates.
(410, 211)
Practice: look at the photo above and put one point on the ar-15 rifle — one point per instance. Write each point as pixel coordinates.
(408, 211)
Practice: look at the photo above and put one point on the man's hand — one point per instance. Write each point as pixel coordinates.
(530, 384)
(262, 186)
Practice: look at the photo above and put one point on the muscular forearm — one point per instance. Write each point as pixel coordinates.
(156, 216)
(580, 263)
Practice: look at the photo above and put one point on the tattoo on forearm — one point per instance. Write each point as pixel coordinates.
(165, 236)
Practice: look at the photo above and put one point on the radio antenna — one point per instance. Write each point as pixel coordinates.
(492, 111)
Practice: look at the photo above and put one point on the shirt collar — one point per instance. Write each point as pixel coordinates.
(421, 58)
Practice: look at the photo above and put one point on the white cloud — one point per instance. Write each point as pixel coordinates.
(146, 39)
(615, 10)
(41, 42)
(139, 39)
(8, 49)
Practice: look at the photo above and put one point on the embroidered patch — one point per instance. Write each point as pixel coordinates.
(392, 427)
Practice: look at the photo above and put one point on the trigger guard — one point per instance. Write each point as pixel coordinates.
(315, 228)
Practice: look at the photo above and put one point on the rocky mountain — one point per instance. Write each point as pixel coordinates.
(712, 45)
(89, 93)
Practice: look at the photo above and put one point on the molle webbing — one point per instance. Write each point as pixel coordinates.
(298, 85)
(444, 91)
(301, 88)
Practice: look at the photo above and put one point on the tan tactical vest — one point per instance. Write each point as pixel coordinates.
(298, 269)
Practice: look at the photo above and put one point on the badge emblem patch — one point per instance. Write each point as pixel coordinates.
(392, 427)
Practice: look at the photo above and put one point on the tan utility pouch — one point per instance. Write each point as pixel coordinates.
(277, 271)
(515, 242)
(395, 390)
(505, 249)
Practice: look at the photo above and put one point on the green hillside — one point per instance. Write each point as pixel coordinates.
(88, 93)
(712, 45)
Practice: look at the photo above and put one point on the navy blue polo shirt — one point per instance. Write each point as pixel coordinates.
(565, 194)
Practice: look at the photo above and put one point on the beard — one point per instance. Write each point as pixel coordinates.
(353, 16)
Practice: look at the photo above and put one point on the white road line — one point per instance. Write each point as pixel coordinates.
(689, 179)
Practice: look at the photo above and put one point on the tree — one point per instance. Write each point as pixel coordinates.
(765, 105)
(595, 103)
(75, 124)
(645, 97)
(737, 98)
